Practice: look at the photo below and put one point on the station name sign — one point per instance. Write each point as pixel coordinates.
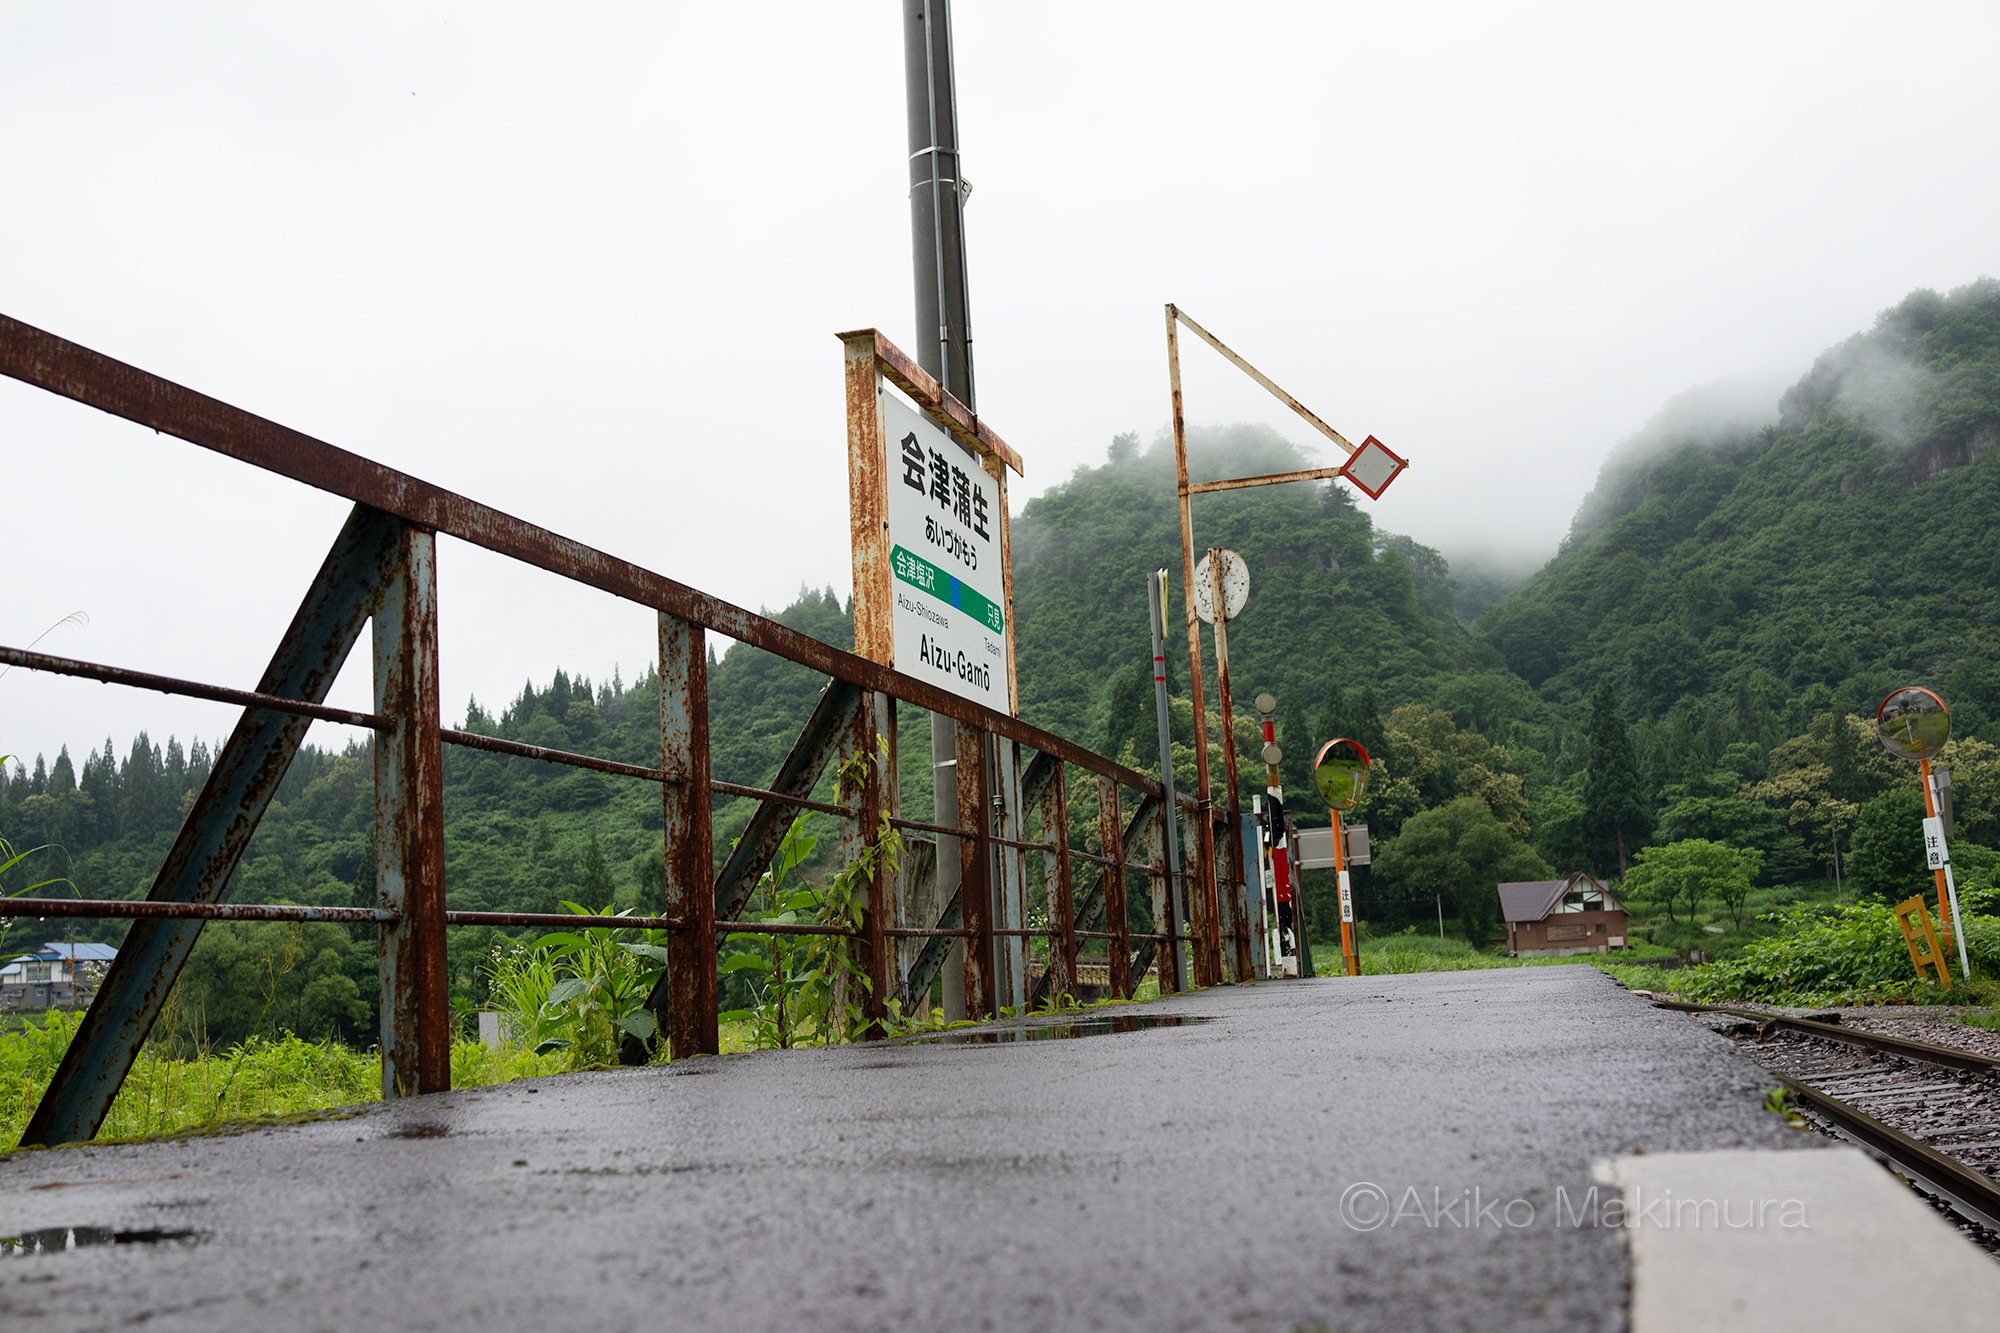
(946, 559)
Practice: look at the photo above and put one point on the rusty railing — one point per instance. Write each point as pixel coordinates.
(381, 572)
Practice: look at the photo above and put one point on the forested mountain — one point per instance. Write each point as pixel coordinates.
(1331, 599)
(1851, 544)
(1733, 599)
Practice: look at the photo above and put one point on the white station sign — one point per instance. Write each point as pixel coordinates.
(948, 616)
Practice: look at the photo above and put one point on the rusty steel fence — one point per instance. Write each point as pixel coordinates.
(381, 572)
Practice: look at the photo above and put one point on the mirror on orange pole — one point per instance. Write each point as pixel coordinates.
(1340, 772)
(1914, 724)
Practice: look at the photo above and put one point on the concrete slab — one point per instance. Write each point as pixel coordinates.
(1368, 1153)
(1759, 1240)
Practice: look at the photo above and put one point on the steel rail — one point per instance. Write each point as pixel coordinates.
(194, 689)
(952, 831)
(766, 794)
(563, 920)
(1943, 1056)
(784, 928)
(948, 830)
(497, 745)
(472, 740)
(119, 908)
(35, 356)
(1972, 1193)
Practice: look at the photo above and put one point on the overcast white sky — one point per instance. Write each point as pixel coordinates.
(585, 263)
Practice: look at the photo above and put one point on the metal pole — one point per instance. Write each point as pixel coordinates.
(1208, 958)
(1351, 961)
(686, 837)
(944, 342)
(937, 199)
(944, 777)
(1947, 921)
(409, 827)
(1156, 597)
(1238, 929)
(1947, 888)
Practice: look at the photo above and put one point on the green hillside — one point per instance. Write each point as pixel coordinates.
(1851, 545)
(1696, 662)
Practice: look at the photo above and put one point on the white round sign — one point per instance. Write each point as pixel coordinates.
(1235, 587)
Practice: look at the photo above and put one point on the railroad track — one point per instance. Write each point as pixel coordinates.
(1930, 1113)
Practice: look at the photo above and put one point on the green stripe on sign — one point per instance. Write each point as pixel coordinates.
(920, 573)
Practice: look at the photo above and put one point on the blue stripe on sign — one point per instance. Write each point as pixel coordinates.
(955, 587)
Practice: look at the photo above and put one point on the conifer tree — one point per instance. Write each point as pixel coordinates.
(1616, 820)
(1365, 717)
(594, 888)
(1130, 713)
(1299, 743)
(1334, 719)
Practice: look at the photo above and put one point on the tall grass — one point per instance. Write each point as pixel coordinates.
(257, 1078)
(1418, 953)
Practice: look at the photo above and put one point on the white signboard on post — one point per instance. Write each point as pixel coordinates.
(948, 609)
(1936, 855)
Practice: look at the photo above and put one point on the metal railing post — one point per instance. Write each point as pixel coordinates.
(215, 833)
(692, 1027)
(1117, 920)
(409, 825)
(1009, 821)
(1159, 879)
(1061, 886)
(975, 881)
(858, 832)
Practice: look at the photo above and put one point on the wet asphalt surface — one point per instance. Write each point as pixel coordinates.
(1175, 1178)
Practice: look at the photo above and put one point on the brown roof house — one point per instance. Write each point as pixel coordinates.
(1574, 914)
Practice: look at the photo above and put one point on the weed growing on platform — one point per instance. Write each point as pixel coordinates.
(809, 988)
(580, 992)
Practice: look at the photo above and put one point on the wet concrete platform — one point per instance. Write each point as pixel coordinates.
(1405, 1152)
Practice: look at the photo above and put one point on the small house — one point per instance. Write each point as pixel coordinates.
(55, 976)
(1574, 914)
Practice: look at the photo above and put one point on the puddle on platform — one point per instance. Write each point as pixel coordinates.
(55, 1240)
(1082, 1027)
(418, 1132)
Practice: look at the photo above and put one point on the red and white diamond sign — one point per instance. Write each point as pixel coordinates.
(1373, 466)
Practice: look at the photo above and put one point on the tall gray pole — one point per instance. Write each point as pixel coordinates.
(1156, 598)
(944, 345)
(937, 199)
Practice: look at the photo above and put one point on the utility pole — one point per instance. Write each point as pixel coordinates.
(1175, 956)
(937, 199)
(944, 345)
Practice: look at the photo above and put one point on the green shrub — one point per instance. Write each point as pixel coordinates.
(258, 1077)
(1825, 954)
(582, 991)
